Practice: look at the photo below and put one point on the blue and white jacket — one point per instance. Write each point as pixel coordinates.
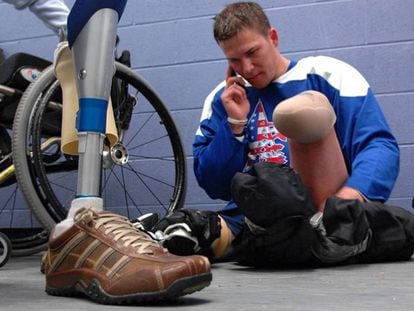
(370, 150)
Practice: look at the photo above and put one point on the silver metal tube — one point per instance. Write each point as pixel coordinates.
(93, 58)
(93, 55)
(90, 164)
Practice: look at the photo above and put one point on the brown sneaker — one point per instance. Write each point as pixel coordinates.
(43, 263)
(105, 258)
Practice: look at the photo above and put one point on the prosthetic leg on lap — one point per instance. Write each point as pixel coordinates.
(307, 120)
(93, 63)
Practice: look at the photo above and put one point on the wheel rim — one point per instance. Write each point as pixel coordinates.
(140, 182)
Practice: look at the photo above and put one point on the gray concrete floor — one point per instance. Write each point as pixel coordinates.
(387, 286)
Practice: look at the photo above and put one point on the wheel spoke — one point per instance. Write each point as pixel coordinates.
(156, 170)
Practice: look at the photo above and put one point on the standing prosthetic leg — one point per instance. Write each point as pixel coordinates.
(128, 267)
(307, 121)
(91, 36)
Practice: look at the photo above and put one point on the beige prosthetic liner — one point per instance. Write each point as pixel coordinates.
(65, 74)
(307, 120)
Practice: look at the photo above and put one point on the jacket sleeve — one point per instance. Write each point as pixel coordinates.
(53, 13)
(218, 155)
(370, 150)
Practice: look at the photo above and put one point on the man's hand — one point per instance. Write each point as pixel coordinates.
(235, 100)
(349, 194)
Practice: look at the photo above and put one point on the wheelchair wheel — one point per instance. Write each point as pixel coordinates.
(24, 232)
(145, 172)
(5, 249)
(26, 241)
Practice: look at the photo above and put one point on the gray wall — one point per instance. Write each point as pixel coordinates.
(172, 47)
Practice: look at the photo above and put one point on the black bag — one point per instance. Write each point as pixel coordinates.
(270, 192)
(393, 233)
(390, 228)
(287, 243)
(278, 208)
(273, 197)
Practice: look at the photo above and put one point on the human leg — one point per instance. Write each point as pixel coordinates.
(307, 121)
(347, 229)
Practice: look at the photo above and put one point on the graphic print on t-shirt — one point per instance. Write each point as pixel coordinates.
(266, 143)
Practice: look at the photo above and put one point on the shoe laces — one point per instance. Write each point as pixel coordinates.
(120, 227)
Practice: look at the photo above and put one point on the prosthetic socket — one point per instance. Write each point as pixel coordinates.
(65, 74)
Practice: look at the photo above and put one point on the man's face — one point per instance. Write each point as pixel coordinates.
(253, 56)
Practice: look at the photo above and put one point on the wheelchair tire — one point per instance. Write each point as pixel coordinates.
(5, 249)
(152, 180)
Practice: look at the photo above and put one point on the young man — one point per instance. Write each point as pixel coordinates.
(241, 156)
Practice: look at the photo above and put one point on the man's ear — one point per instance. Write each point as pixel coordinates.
(274, 37)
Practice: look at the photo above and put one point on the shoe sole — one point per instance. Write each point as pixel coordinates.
(95, 292)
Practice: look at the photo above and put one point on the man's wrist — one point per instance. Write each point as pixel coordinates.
(232, 121)
(238, 130)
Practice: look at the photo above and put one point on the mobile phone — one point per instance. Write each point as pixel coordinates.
(235, 74)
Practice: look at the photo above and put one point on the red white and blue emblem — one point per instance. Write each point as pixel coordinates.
(266, 143)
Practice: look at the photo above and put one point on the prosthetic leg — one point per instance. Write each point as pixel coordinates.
(91, 37)
(307, 120)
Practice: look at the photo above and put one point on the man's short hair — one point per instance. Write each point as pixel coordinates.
(237, 16)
